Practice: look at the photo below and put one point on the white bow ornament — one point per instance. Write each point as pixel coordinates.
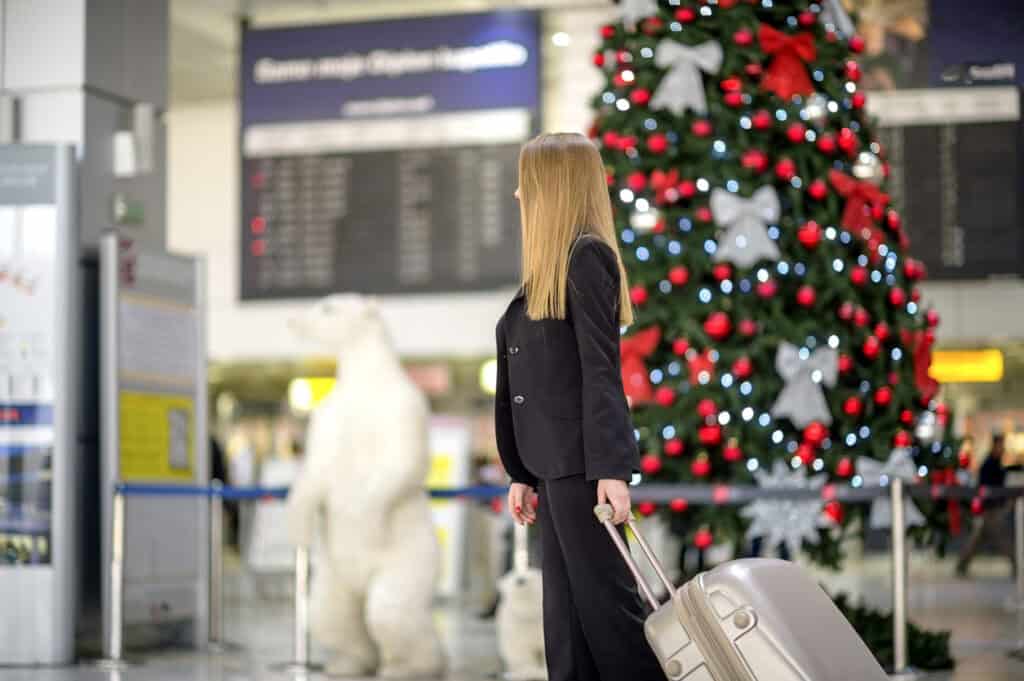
(900, 465)
(682, 87)
(635, 11)
(802, 400)
(744, 238)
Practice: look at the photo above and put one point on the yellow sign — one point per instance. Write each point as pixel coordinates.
(157, 436)
(967, 366)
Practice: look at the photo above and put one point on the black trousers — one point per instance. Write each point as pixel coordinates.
(593, 615)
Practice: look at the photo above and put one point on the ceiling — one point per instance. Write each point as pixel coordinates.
(204, 33)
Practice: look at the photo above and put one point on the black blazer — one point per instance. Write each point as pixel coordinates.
(559, 405)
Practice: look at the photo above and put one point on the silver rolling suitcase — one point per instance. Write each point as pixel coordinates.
(756, 619)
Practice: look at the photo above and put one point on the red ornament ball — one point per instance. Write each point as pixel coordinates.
(687, 189)
(807, 18)
(599, 59)
(703, 539)
(706, 408)
(732, 452)
(845, 363)
(701, 466)
(636, 180)
(623, 57)
(805, 453)
(743, 367)
(848, 141)
(673, 447)
(931, 318)
(845, 311)
(827, 144)
(815, 433)
(852, 406)
(607, 31)
(646, 508)
(852, 71)
(679, 504)
(610, 139)
(680, 346)
(857, 44)
(638, 295)
(679, 275)
(718, 326)
(701, 128)
(721, 271)
(809, 235)
(785, 169)
(743, 37)
(914, 269)
(703, 214)
(747, 327)
(858, 100)
(883, 396)
(907, 417)
(871, 347)
(806, 296)
(861, 317)
(653, 25)
(732, 84)
(710, 435)
(753, 69)
(657, 143)
(901, 439)
(859, 276)
(754, 159)
(733, 99)
(893, 219)
(767, 289)
(844, 468)
(834, 510)
(817, 190)
(761, 120)
(665, 396)
(640, 96)
(882, 331)
(650, 464)
(686, 15)
(795, 133)
(897, 296)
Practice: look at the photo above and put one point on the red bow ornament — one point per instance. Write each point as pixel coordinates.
(664, 186)
(787, 75)
(921, 342)
(861, 197)
(635, 379)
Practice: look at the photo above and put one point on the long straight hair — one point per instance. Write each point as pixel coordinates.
(563, 195)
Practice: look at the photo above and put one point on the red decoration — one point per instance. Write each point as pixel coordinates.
(754, 159)
(703, 214)
(809, 235)
(805, 453)
(977, 506)
(638, 295)
(897, 296)
(650, 464)
(747, 327)
(845, 311)
(619, 81)
(817, 190)
(640, 96)
(907, 417)
(861, 196)
(827, 144)
(787, 74)
(806, 296)
(665, 396)
(653, 25)
(922, 344)
(743, 367)
(646, 508)
(687, 189)
(914, 269)
(733, 84)
(834, 510)
(861, 317)
(657, 143)
(598, 59)
(785, 169)
(856, 44)
(931, 318)
(859, 276)
(608, 31)
(636, 180)
(795, 132)
(871, 347)
(852, 70)
(706, 408)
(664, 186)
(703, 539)
(858, 100)
(701, 128)
(852, 406)
(701, 466)
(753, 69)
(883, 396)
(882, 331)
(732, 452)
(963, 459)
(679, 275)
(733, 99)
(718, 325)
(721, 271)
(623, 57)
(680, 346)
(901, 439)
(767, 289)
(710, 435)
(844, 468)
(673, 447)
(634, 349)
(848, 141)
(743, 37)
(679, 504)
(686, 15)
(815, 433)
(761, 120)
(807, 19)
(610, 139)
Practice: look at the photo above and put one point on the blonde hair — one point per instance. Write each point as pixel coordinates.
(563, 194)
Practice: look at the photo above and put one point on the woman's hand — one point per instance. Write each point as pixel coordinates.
(616, 493)
(522, 503)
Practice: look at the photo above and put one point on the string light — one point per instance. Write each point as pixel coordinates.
(856, 481)
(764, 419)
(851, 439)
(830, 233)
(912, 307)
(862, 260)
(665, 286)
(674, 247)
(710, 246)
(833, 341)
(650, 123)
(792, 446)
(777, 436)
(674, 368)
(726, 380)
(642, 253)
(838, 265)
(626, 195)
(774, 233)
(628, 236)
(800, 269)
(724, 418)
(896, 354)
(668, 432)
(657, 376)
(726, 286)
(796, 182)
(864, 432)
(646, 52)
(746, 286)
(818, 464)
(685, 224)
(746, 387)
(845, 237)
(747, 413)
(704, 295)
(752, 465)
(876, 276)
(832, 106)
(732, 186)
(608, 97)
(622, 104)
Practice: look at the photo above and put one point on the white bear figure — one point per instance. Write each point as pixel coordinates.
(366, 463)
(519, 619)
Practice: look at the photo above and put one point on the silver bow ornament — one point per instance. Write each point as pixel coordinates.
(682, 87)
(802, 400)
(900, 465)
(834, 14)
(744, 223)
(635, 11)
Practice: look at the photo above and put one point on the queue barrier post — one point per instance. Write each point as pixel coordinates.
(901, 668)
(113, 642)
(216, 642)
(300, 633)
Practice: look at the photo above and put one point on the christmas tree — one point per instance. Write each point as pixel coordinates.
(780, 339)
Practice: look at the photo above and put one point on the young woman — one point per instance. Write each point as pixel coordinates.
(563, 427)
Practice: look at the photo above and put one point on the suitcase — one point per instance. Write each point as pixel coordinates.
(755, 619)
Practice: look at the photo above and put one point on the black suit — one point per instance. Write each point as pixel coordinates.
(562, 424)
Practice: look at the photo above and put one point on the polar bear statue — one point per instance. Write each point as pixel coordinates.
(366, 463)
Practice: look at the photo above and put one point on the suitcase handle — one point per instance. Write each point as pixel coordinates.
(604, 513)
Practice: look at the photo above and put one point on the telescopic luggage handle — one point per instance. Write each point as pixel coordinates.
(605, 513)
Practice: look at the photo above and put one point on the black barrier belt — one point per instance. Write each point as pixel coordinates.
(700, 495)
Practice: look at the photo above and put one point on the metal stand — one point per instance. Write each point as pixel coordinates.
(217, 644)
(300, 663)
(113, 644)
(901, 668)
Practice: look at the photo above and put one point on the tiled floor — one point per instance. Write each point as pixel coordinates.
(984, 628)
